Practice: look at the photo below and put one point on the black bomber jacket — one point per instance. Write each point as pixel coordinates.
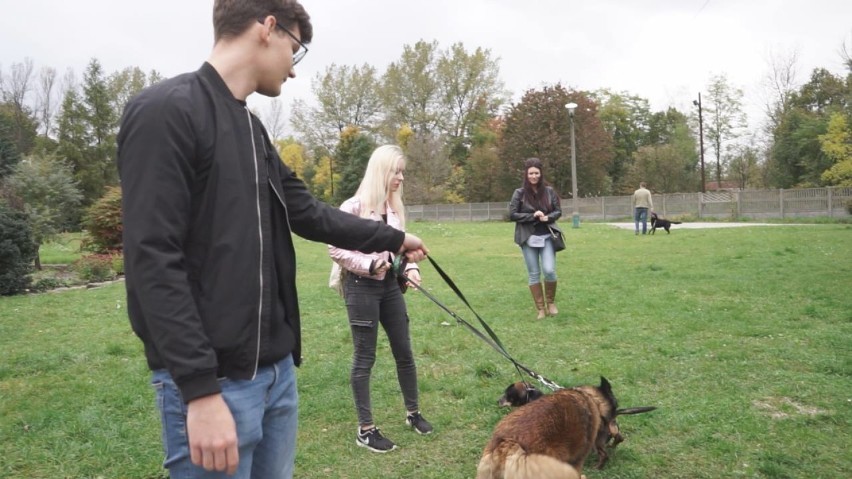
(208, 211)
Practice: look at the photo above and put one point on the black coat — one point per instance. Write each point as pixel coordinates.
(208, 211)
(522, 212)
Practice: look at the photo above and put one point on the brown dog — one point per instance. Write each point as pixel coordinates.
(550, 438)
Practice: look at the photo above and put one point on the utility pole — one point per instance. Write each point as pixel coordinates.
(701, 140)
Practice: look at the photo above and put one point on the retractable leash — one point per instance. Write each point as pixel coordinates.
(492, 339)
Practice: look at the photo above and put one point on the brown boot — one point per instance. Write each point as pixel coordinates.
(550, 295)
(538, 297)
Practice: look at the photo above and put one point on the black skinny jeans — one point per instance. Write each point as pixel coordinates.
(368, 303)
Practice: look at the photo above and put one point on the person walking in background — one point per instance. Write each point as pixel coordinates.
(642, 203)
(535, 209)
(208, 211)
(373, 297)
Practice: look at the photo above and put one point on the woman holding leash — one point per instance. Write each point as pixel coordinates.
(373, 296)
(534, 209)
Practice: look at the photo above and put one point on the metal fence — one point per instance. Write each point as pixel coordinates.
(755, 204)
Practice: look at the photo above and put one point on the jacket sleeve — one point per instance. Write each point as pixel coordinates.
(354, 261)
(515, 213)
(156, 154)
(314, 220)
(556, 213)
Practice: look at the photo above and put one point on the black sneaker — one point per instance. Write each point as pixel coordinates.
(419, 423)
(374, 441)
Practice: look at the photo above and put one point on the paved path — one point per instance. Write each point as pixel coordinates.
(700, 225)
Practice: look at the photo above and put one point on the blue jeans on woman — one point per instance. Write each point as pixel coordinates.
(547, 257)
(265, 410)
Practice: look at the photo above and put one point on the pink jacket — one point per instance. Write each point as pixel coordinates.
(356, 261)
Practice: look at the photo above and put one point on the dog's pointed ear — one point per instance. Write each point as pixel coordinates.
(605, 387)
(634, 410)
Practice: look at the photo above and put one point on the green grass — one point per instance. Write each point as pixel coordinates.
(63, 249)
(742, 337)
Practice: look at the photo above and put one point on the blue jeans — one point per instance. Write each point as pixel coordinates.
(548, 262)
(641, 216)
(265, 410)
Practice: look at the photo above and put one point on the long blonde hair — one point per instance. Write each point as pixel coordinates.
(374, 189)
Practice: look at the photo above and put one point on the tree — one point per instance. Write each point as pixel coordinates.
(292, 153)
(661, 166)
(427, 170)
(836, 144)
(539, 127)
(274, 119)
(472, 91)
(626, 118)
(351, 157)
(780, 83)
(9, 154)
(73, 135)
(14, 90)
(796, 147)
(45, 104)
(49, 193)
(87, 128)
(346, 96)
(797, 155)
(744, 165)
(123, 85)
(669, 161)
(411, 91)
(484, 169)
(103, 223)
(17, 251)
(726, 117)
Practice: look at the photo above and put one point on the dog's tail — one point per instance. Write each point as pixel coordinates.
(676, 222)
(520, 465)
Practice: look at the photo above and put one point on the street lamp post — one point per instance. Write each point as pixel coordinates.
(575, 217)
(701, 139)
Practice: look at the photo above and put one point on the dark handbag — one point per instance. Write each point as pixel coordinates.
(558, 240)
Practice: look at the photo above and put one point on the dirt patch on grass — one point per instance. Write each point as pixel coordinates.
(784, 407)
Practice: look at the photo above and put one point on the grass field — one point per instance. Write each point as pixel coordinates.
(742, 337)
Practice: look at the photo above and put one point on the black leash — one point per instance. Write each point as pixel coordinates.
(492, 339)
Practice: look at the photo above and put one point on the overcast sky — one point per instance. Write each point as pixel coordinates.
(663, 50)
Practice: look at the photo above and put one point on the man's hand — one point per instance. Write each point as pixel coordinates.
(413, 248)
(212, 434)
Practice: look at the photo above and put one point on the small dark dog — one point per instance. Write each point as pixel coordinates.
(657, 222)
(518, 394)
(550, 437)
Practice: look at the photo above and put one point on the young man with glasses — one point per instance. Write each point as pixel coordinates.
(208, 212)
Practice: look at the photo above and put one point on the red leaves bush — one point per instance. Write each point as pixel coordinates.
(103, 223)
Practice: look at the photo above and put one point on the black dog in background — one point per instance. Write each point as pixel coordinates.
(657, 222)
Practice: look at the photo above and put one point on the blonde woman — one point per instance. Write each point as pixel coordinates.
(373, 297)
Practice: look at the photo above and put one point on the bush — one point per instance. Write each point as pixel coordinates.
(17, 252)
(118, 263)
(103, 223)
(47, 284)
(95, 268)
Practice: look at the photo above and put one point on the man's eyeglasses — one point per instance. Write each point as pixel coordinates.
(301, 52)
